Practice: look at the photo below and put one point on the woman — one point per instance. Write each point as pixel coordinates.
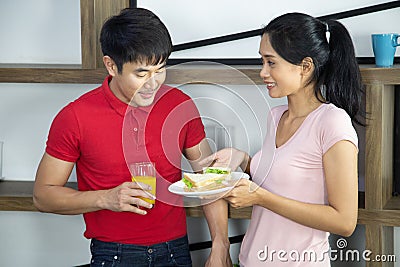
(304, 179)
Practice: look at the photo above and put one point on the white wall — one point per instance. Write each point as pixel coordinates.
(48, 31)
(26, 112)
(196, 20)
(42, 240)
(40, 31)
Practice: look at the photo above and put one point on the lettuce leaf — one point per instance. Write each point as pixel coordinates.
(187, 183)
(218, 171)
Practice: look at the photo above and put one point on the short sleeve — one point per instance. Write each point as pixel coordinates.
(195, 128)
(63, 138)
(337, 126)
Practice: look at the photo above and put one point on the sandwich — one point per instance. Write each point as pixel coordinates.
(212, 178)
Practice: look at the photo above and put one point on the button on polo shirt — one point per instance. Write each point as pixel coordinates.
(135, 120)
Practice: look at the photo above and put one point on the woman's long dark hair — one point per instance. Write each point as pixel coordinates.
(295, 36)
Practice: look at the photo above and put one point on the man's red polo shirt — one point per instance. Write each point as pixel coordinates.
(103, 135)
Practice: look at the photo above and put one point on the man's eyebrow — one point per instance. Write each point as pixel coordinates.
(147, 70)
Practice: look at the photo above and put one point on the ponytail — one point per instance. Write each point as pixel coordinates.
(342, 79)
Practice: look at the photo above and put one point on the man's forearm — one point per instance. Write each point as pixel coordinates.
(216, 214)
(64, 200)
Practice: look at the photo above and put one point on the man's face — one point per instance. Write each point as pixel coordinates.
(138, 83)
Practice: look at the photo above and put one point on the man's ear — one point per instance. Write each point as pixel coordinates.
(110, 65)
(307, 66)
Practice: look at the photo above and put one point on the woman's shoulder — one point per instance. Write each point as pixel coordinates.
(332, 119)
(332, 113)
(278, 110)
(334, 124)
(276, 113)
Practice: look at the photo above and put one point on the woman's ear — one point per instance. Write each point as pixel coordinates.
(110, 66)
(307, 66)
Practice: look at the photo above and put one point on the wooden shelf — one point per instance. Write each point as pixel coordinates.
(244, 213)
(211, 74)
(371, 74)
(386, 218)
(56, 74)
(175, 75)
(17, 196)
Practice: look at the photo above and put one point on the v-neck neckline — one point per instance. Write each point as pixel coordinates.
(297, 130)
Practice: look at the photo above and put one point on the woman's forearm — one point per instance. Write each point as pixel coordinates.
(317, 216)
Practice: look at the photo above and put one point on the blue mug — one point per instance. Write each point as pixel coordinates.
(384, 46)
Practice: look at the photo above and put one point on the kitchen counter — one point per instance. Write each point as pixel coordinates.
(17, 196)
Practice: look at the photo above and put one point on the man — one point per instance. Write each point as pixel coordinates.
(131, 117)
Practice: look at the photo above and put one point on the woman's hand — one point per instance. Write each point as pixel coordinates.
(230, 157)
(244, 194)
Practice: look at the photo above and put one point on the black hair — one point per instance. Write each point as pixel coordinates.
(135, 35)
(295, 36)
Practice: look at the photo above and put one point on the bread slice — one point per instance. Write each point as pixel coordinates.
(204, 181)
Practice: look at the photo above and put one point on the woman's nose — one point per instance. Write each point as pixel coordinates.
(264, 72)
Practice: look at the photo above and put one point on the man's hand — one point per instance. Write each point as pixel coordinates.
(125, 197)
(231, 157)
(219, 256)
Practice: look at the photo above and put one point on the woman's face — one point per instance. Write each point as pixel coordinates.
(281, 77)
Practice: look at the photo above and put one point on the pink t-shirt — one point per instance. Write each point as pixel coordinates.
(293, 170)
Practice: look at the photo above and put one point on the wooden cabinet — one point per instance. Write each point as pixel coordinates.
(381, 211)
(93, 14)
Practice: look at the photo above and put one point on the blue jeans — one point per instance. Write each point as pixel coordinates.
(171, 253)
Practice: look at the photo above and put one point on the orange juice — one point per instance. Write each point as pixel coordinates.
(150, 180)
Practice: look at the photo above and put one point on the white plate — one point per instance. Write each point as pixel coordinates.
(178, 187)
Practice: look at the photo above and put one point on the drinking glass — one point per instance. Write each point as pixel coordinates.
(145, 172)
